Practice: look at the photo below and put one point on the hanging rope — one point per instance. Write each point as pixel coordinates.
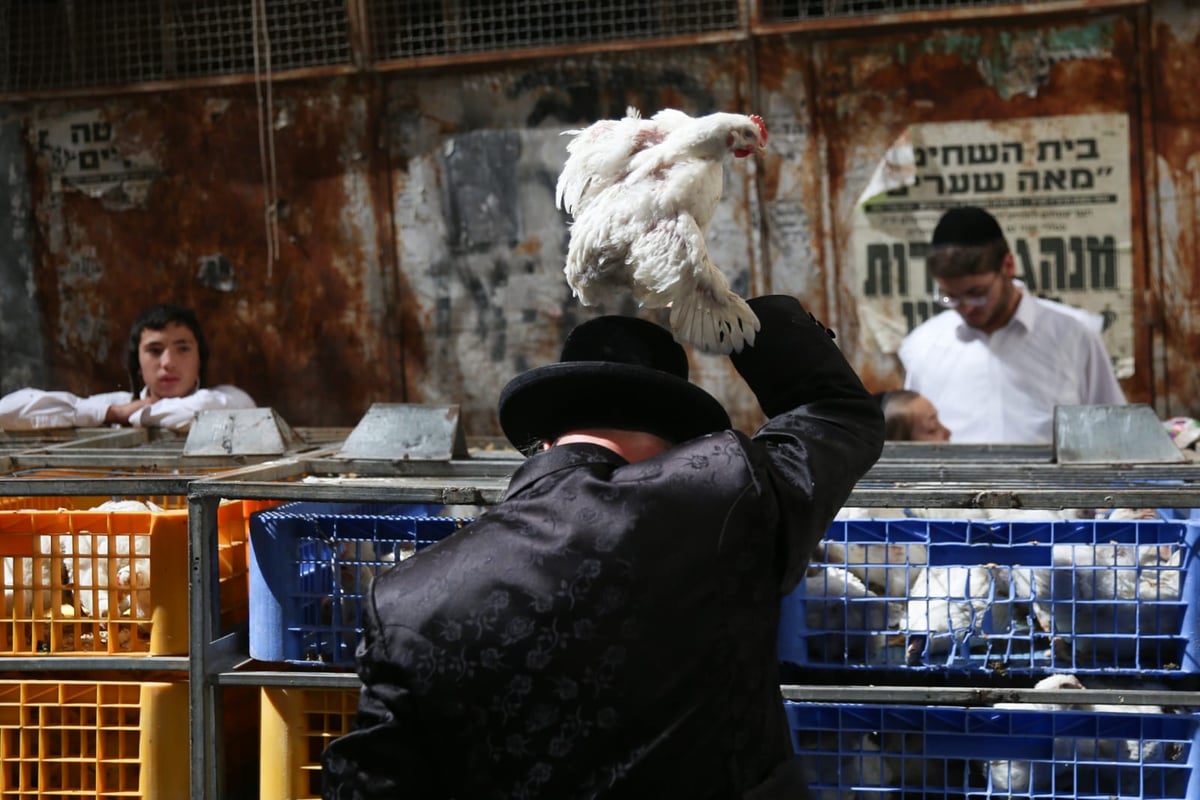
(266, 130)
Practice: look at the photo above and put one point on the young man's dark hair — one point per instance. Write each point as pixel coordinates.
(966, 241)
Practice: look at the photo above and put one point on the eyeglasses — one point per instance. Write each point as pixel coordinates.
(973, 298)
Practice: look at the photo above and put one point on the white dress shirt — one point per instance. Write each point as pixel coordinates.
(1003, 387)
(33, 409)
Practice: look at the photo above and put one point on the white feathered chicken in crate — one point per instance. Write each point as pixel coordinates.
(1090, 765)
(82, 562)
(641, 194)
(1108, 599)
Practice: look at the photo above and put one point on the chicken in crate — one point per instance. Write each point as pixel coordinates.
(312, 565)
(1011, 598)
(88, 575)
(872, 752)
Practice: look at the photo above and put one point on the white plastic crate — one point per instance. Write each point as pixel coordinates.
(969, 596)
(870, 752)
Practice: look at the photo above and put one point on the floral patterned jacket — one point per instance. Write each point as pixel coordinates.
(608, 629)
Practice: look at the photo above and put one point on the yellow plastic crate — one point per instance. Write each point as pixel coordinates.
(297, 725)
(110, 582)
(102, 740)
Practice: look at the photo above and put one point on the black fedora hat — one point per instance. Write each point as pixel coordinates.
(614, 372)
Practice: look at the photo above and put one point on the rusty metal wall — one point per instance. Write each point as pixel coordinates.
(1171, 117)
(861, 94)
(175, 211)
(414, 252)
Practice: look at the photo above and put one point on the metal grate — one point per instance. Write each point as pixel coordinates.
(49, 45)
(435, 27)
(218, 38)
(67, 44)
(785, 10)
(55, 45)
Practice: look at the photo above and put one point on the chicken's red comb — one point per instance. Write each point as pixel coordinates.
(762, 126)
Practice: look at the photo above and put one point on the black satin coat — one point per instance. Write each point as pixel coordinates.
(608, 629)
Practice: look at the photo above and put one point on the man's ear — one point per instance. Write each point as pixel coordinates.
(1009, 265)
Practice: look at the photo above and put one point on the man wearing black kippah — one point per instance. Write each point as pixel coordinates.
(996, 368)
(608, 630)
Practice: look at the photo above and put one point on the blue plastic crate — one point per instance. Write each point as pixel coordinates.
(1024, 598)
(883, 751)
(311, 565)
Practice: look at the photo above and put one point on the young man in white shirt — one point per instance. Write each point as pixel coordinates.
(996, 368)
(167, 357)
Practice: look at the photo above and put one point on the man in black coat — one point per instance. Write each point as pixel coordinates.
(608, 629)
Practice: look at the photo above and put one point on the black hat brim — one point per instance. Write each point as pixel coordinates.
(543, 403)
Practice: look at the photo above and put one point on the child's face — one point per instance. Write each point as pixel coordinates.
(926, 425)
(170, 361)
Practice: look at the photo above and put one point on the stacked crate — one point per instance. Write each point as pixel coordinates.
(1061, 604)
(78, 738)
(87, 577)
(311, 566)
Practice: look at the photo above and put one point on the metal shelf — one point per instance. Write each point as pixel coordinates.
(125, 462)
(943, 476)
(474, 481)
(50, 663)
(936, 695)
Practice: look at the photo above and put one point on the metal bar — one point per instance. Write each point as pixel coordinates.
(129, 460)
(74, 487)
(474, 468)
(1062, 474)
(277, 470)
(383, 490)
(204, 710)
(1027, 453)
(963, 496)
(919, 695)
(309, 680)
(894, 21)
(93, 663)
(118, 437)
(935, 695)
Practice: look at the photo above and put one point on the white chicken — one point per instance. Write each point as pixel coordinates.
(1108, 603)
(641, 194)
(847, 622)
(1051, 773)
(1087, 763)
(844, 766)
(950, 609)
(888, 569)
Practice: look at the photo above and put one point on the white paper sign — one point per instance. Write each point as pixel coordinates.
(1059, 186)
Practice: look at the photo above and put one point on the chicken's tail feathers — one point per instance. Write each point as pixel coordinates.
(716, 322)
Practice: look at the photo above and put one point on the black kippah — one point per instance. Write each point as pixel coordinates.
(968, 226)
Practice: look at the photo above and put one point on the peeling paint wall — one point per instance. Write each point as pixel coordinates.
(475, 161)
(1173, 178)
(22, 355)
(394, 237)
(868, 92)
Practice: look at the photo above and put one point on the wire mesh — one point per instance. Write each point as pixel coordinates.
(435, 27)
(68, 44)
(786, 10)
(73, 44)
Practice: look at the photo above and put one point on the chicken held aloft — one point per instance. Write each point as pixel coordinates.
(641, 194)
